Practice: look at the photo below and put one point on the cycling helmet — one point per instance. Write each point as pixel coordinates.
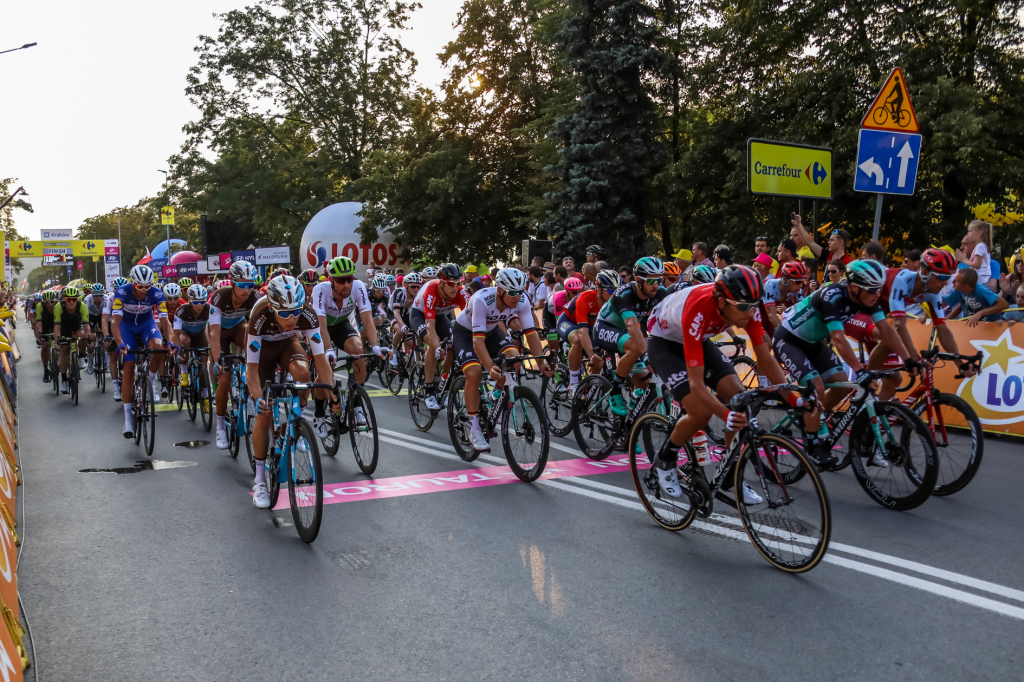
(572, 284)
(278, 272)
(413, 278)
(649, 267)
(671, 269)
(380, 282)
(341, 267)
(939, 261)
(50, 295)
(119, 282)
(392, 280)
(450, 272)
(511, 279)
(185, 283)
(595, 250)
(224, 283)
(430, 272)
(285, 293)
(172, 290)
(795, 270)
(197, 292)
(740, 283)
(242, 270)
(310, 276)
(865, 273)
(142, 274)
(97, 288)
(703, 274)
(609, 280)
(71, 292)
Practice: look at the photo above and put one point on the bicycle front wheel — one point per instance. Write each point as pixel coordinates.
(205, 404)
(306, 483)
(904, 476)
(190, 397)
(959, 440)
(362, 432)
(594, 424)
(422, 417)
(524, 435)
(646, 440)
(458, 420)
(148, 417)
(231, 425)
(789, 523)
(554, 395)
(393, 378)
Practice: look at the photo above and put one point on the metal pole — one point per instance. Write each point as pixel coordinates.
(118, 245)
(878, 216)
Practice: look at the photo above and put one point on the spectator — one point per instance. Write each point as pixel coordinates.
(538, 292)
(626, 274)
(684, 259)
(763, 264)
(470, 273)
(873, 251)
(535, 280)
(475, 286)
(561, 274)
(570, 267)
(978, 243)
(1010, 283)
(973, 300)
(835, 272)
(589, 275)
(838, 242)
(761, 246)
(723, 257)
(538, 261)
(912, 260)
(1012, 317)
(786, 251)
(700, 255)
(601, 265)
(812, 277)
(494, 273)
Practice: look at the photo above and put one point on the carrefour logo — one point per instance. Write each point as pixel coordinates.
(815, 172)
(997, 394)
(25, 246)
(90, 246)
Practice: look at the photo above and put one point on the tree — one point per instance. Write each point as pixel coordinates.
(140, 228)
(20, 203)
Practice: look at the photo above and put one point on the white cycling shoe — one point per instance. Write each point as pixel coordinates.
(878, 460)
(749, 496)
(128, 432)
(88, 367)
(478, 441)
(360, 417)
(117, 393)
(669, 481)
(163, 393)
(320, 426)
(431, 403)
(222, 440)
(260, 496)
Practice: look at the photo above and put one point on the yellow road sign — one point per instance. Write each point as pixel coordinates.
(892, 108)
(789, 170)
(25, 249)
(167, 215)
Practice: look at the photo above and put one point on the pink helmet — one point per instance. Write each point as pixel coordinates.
(399, 279)
(573, 284)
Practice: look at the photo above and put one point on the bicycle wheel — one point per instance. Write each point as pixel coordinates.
(333, 438)
(97, 368)
(421, 416)
(649, 434)
(524, 435)
(148, 417)
(365, 443)
(910, 454)
(100, 368)
(250, 425)
(73, 376)
(190, 396)
(960, 445)
(458, 420)
(594, 424)
(181, 396)
(55, 372)
(306, 483)
(880, 116)
(137, 412)
(791, 524)
(746, 370)
(393, 378)
(272, 465)
(554, 395)
(231, 426)
(205, 404)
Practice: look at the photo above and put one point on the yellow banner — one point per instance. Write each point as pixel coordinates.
(167, 215)
(20, 249)
(87, 247)
(791, 170)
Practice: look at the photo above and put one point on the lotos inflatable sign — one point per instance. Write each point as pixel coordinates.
(334, 232)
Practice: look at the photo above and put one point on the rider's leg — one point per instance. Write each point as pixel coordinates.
(64, 351)
(354, 346)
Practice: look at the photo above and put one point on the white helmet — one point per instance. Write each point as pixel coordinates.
(242, 270)
(172, 290)
(285, 293)
(430, 272)
(413, 278)
(197, 291)
(510, 279)
(380, 282)
(142, 274)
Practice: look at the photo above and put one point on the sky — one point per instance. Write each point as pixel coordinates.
(92, 113)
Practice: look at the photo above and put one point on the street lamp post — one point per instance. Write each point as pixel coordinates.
(168, 224)
(23, 47)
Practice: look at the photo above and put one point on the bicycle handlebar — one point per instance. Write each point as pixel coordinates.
(293, 387)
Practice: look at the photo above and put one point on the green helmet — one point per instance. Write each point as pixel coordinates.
(71, 292)
(341, 267)
(649, 266)
(50, 295)
(185, 283)
(865, 273)
(704, 274)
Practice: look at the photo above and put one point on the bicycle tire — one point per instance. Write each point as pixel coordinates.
(920, 470)
(73, 375)
(181, 396)
(249, 449)
(813, 527)
(949, 481)
(421, 416)
(458, 421)
(272, 464)
(137, 410)
(393, 378)
(667, 512)
(148, 417)
(332, 440)
(191, 397)
(205, 404)
(306, 524)
(526, 429)
(231, 426)
(555, 399)
(358, 397)
(54, 370)
(594, 425)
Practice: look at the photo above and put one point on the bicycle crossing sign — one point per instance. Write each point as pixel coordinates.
(892, 108)
(887, 162)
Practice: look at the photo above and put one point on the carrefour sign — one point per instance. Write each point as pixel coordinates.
(789, 170)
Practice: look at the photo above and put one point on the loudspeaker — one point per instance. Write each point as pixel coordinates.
(535, 247)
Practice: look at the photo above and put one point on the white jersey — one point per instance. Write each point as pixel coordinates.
(107, 300)
(482, 314)
(95, 309)
(325, 304)
(400, 299)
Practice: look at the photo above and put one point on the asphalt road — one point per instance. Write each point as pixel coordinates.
(172, 574)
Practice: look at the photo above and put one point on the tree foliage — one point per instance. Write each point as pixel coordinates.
(20, 203)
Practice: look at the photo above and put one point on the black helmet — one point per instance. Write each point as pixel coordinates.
(740, 283)
(450, 272)
(596, 250)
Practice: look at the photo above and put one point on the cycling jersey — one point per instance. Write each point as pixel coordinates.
(401, 299)
(187, 319)
(70, 320)
(264, 327)
(223, 310)
(482, 314)
(43, 315)
(825, 311)
(626, 303)
(690, 316)
(95, 309)
(134, 311)
(172, 306)
(583, 309)
(378, 302)
(325, 304)
(430, 303)
(898, 291)
(773, 294)
(558, 301)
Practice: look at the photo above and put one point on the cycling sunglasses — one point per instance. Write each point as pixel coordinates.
(70, 298)
(514, 294)
(198, 301)
(244, 285)
(942, 278)
(656, 280)
(742, 307)
(295, 312)
(347, 279)
(871, 290)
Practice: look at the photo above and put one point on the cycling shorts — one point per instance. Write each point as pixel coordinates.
(549, 320)
(197, 340)
(669, 363)
(497, 342)
(279, 353)
(96, 322)
(609, 337)
(235, 336)
(803, 360)
(341, 332)
(404, 314)
(565, 327)
(138, 335)
(442, 325)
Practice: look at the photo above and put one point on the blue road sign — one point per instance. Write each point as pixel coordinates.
(887, 162)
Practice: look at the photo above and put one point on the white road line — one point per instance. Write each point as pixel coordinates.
(572, 451)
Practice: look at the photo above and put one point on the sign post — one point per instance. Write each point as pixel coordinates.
(167, 218)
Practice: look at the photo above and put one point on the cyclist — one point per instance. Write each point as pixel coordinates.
(185, 283)
(134, 306)
(576, 320)
(379, 297)
(786, 290)
(672, 273)
(230, 307)
(431, 319)
(42, 322)
(190, 322)
(108, 336)
(594, 253)
(94, 301)
(622, 325)
(479, 337)
(392, 284)
(401, 303)
(309, 279)
(429, 273)
(700, 274)
(70, 321)
(279, 321)
(689, 363)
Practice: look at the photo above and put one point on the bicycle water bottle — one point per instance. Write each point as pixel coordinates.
(443, 383)
(496, 396)
(638, 393)
(700, 447)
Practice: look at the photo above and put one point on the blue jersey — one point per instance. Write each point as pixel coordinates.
(135, 311)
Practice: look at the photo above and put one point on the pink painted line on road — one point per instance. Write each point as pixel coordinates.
(420, 484)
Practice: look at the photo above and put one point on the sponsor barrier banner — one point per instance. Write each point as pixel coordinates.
(187, 269)
(249, 255)
(225, 261)
(87, 247)
(272, 255)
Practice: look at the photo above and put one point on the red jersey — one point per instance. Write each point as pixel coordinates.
(429, 301)
(583, 309)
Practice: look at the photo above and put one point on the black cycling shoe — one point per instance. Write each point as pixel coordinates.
(820, 454)
(46, 377)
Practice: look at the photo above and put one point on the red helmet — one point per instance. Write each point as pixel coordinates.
(939, 261)
(795, 269)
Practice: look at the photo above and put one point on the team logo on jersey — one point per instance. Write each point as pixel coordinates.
(316, 338)
(696, 325)
(162, 307)
(254, 346)
(117, 304)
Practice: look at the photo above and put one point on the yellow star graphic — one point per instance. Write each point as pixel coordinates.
(999, 353)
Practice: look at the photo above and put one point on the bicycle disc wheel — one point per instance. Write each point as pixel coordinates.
(148, 418)
(524, 435)
(458, 420)
(554, 395)
(650, 432)
(421, 416)
(594, 424)
(960, 445)
(306, 483)
(911, 457)
(205, 404)
(790, 524)
(364, 438)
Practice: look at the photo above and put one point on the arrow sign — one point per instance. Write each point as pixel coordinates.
(905, 156)
(873, 169)
(887, 162)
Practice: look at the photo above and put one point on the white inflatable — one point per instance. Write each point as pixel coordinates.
(334, 232)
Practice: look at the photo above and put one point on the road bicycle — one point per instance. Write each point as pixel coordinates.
(355, 401)
(294, 457)
(143, 408)
(515, 410)
(790, 524)
(74, 371)
(422, 416)
(196, 395)
(99, 364)
(240, 419)
(396, 374)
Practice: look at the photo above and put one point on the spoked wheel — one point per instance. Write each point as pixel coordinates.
(55, 374)
(554, 395)
(137, 413)
(272, 463)
(649, 436)
(911, 464)
(205, 404)
(393, 378)
(594, 424)
(184, 392)
(789, 523)
(101, 373)
(148, 417)
(333, 438)
(524, 435)
(458, 420)
(73, 376)
(249, 449)
(422, 417)
(959, 440)
(365, 444)
(306, 483)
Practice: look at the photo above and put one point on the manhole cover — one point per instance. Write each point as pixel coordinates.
(141, 465)
(192, 444)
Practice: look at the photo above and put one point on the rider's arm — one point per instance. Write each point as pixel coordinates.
(253, 345)
(843, 349)
(892, 339)
(115, 328)
(808, 239)
(633, 327)
(214, 323)
(370, 328)
(322, 323)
